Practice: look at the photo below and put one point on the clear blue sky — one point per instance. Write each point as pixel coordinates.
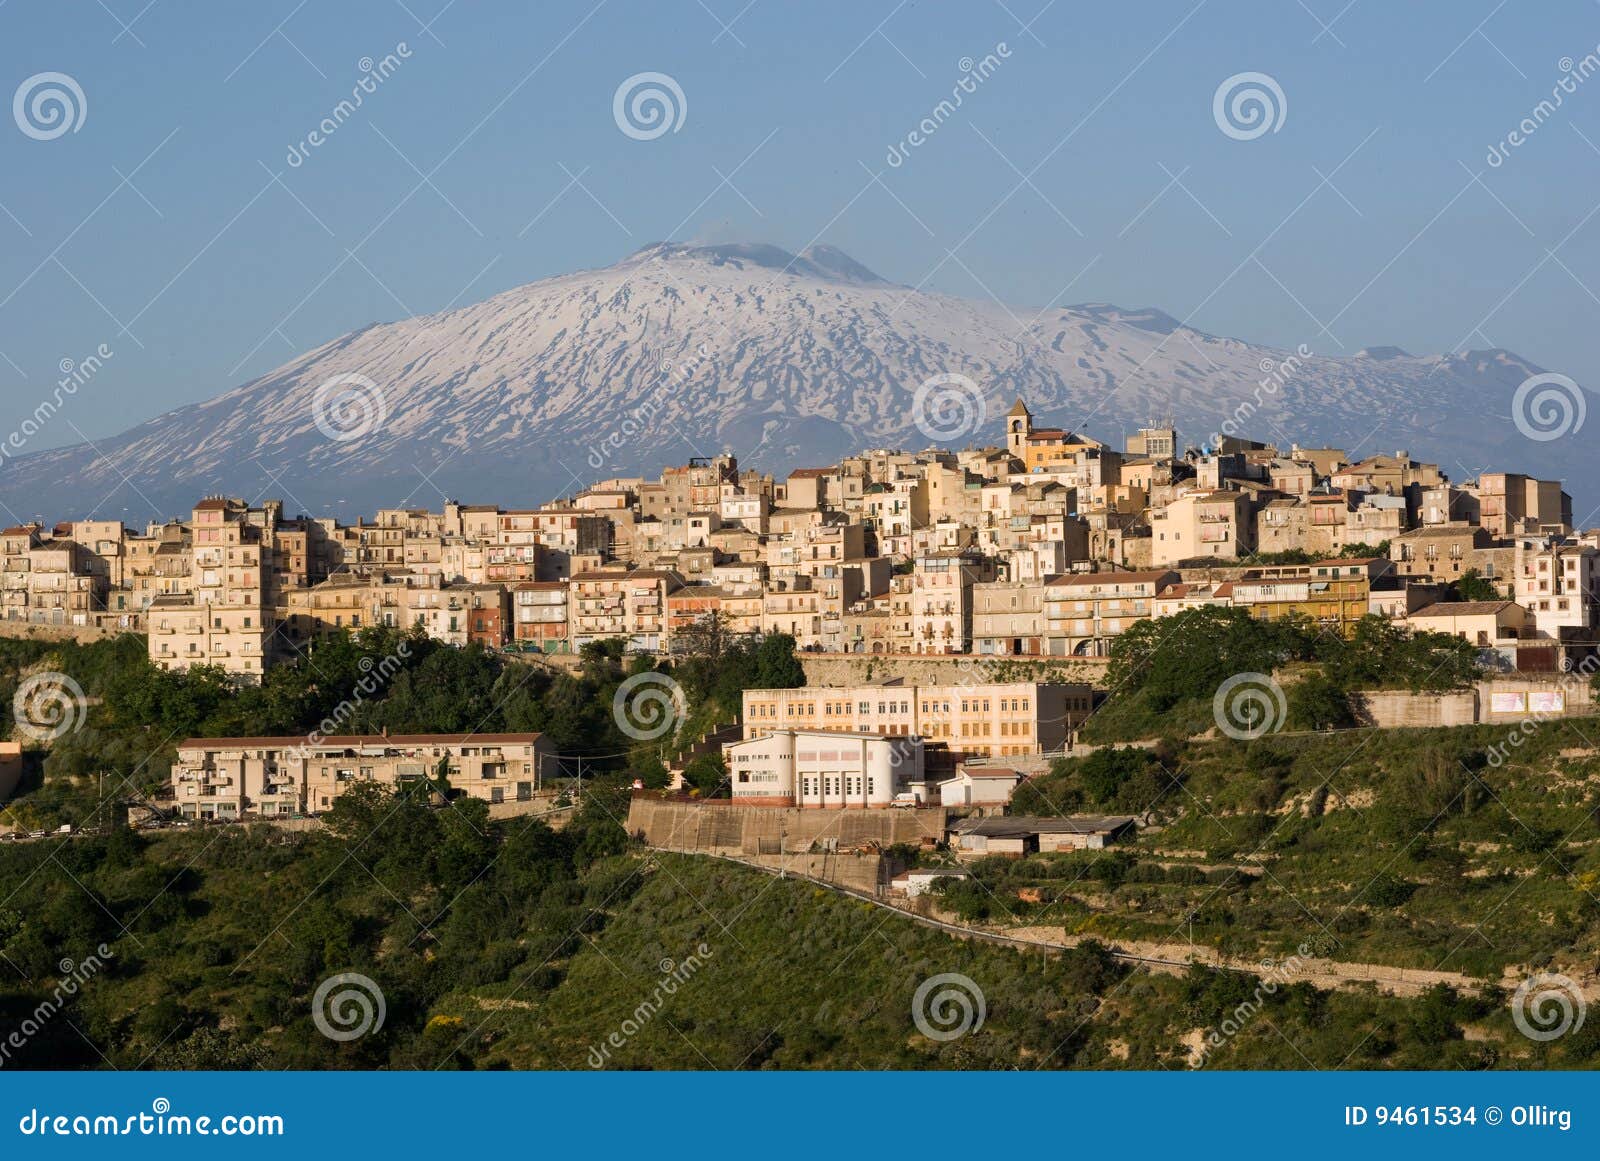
(222, 272)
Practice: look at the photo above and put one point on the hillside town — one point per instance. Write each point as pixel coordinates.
(1047, 547)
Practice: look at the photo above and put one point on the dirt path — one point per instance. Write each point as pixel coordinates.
(1171, 958)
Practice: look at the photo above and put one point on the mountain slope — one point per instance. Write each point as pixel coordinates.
(784, 359)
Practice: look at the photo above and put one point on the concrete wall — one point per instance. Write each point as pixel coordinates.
(753, 830)
(1389, 708)
(1522, 697)
(1534, 695)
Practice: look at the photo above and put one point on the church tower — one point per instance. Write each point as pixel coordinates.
(1019, 423)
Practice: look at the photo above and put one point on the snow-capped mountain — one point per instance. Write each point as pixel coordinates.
(784, 359)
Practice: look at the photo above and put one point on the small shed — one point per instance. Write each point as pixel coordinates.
(1018, 835)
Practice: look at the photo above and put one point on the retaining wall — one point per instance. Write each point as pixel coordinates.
(756, 830)
(1391, 708)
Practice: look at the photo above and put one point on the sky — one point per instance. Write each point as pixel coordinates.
(188, 235)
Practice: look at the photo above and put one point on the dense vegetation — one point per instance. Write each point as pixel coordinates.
(512, 945)
(1164, 673)
(363, 682)
(1441, 849)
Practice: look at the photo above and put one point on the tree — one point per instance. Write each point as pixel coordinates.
(1316, 702)
(707, 637)
(1472, 585)
(777, 667)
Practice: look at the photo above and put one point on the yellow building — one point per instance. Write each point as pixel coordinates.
(1334, 593)
(992, 718)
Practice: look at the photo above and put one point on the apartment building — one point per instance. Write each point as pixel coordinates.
(1008, 619)
(987, 718)
(1334, 593)
(1510, 504)
(941, 599)
(49, 581)
(1084, 614)
(1445, 551)
(1212, 525)
(1555, 580)
(231, 778)
(228, 617)
(539, 616)
(622, 603)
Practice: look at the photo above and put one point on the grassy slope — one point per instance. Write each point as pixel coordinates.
(1407, 847)
(803, 978)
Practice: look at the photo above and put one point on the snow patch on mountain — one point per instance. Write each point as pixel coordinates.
(785, 359)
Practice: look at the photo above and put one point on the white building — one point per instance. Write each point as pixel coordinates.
(1555, 580)
(979, 786)
(825, 769)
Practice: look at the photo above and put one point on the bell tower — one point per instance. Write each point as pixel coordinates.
(1019, 424)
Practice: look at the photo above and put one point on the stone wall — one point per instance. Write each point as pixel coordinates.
(754, 830)
(82, 634)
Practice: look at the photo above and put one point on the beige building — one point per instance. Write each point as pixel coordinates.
(631, 604)
(1209, 525)
(1482, 623)
(1084, 614)
(1510, 503)
(994, 719)
(1008, 619)
(228, 617)
(941, 599)
(230, 778)
(1558, 582)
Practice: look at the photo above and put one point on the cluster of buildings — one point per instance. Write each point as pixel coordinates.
(226, 779)
(1051, 545)
(893, 743)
